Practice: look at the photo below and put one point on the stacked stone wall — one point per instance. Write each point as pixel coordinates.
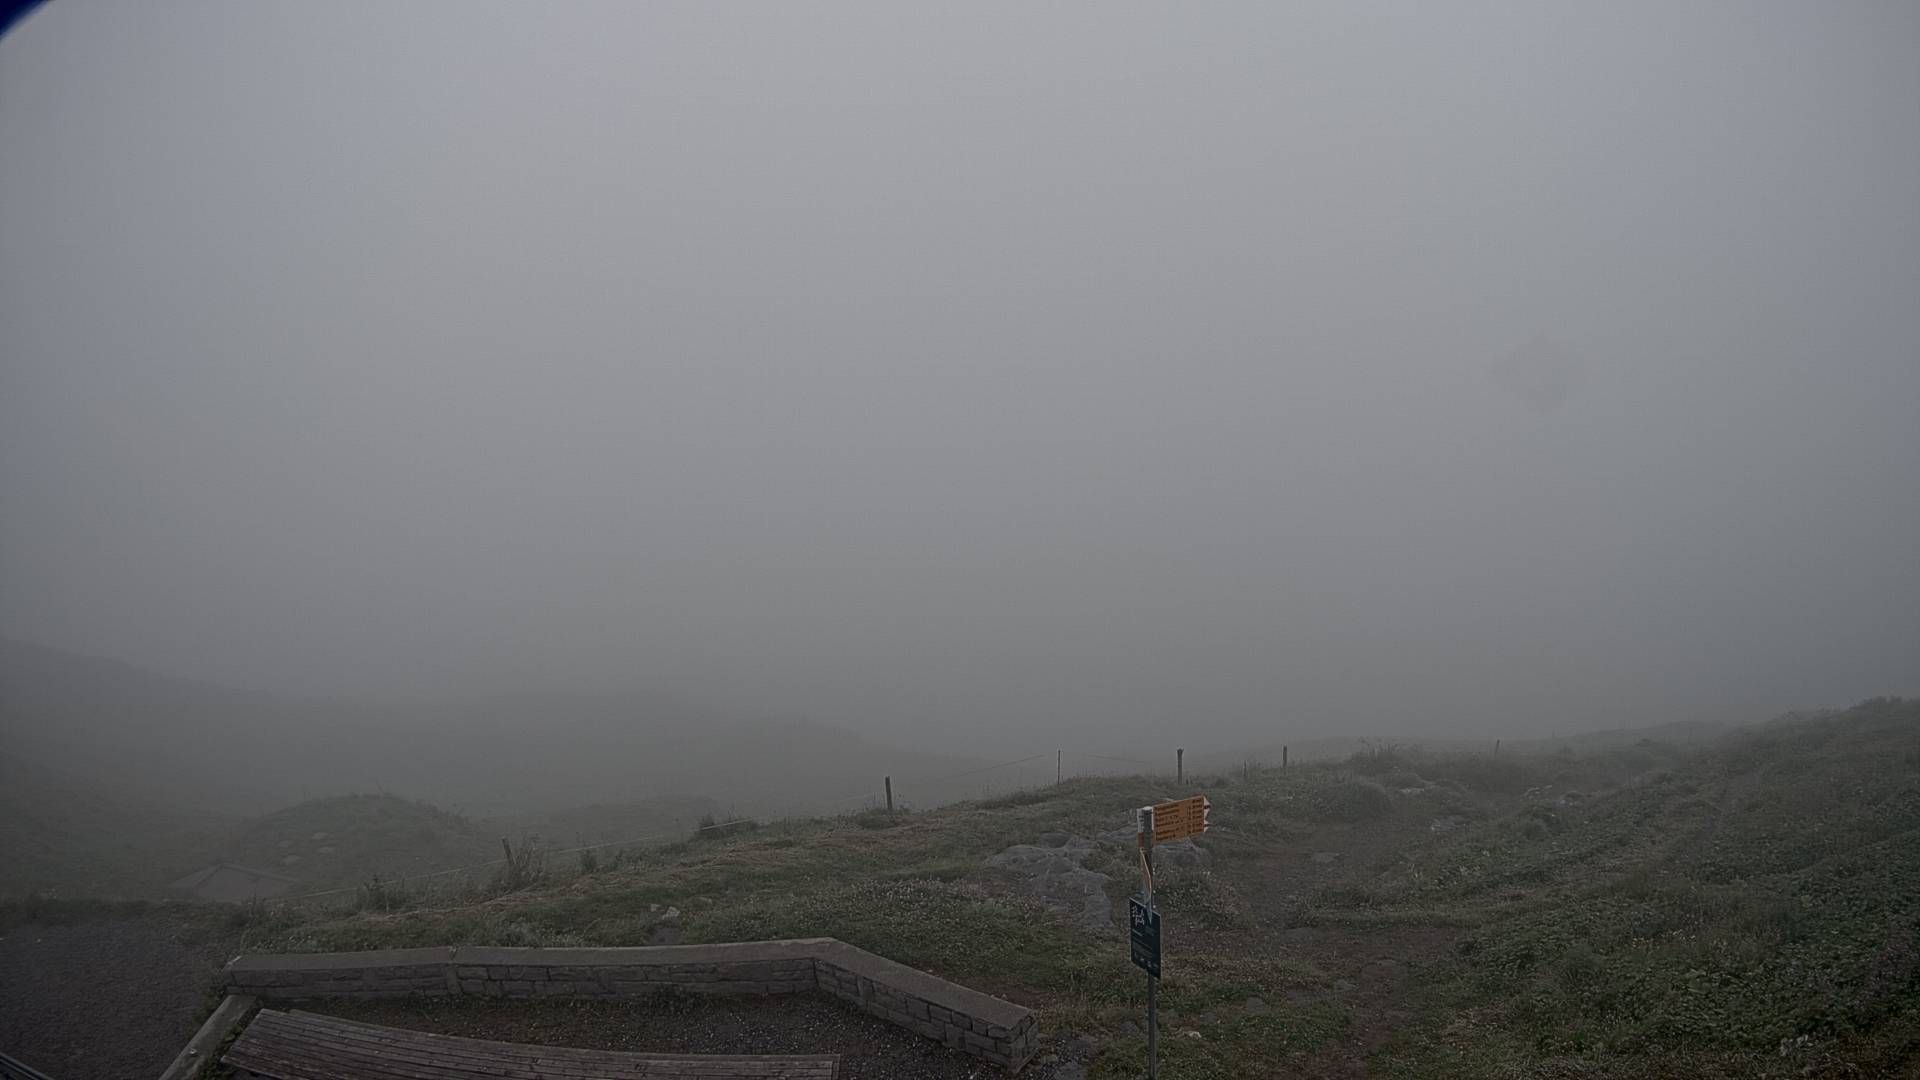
(966, 1020)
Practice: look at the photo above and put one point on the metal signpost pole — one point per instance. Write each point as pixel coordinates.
(1153, 981)
(1170, 821)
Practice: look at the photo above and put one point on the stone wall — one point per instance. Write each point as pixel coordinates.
(966, 1020)
(386, 973)
(772, 967)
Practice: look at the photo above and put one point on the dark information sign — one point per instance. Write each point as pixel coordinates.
(1143, 935)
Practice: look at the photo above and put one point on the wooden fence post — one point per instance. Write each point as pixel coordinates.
(1179, 764)
(889, 794)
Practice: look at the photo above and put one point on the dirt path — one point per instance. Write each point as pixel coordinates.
(105, 999)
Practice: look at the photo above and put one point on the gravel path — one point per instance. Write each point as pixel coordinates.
(869, 1049)
(105, 999)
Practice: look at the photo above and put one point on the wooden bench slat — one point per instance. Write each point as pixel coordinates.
(376, 1032)
(557, 1062)
(308, 1046)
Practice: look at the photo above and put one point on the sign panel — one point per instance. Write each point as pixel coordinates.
(1180, 818)
(1143, 936)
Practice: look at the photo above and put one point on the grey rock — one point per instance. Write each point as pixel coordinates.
(1343, 985)
(1258, 1007)
(1447, 823)
(1053, 873)
(1325, 857)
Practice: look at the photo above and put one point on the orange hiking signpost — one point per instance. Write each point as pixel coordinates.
(1160, 823)
(1180, 818)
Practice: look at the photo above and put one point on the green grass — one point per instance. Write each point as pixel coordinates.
(1745, 907)
(1749, 898)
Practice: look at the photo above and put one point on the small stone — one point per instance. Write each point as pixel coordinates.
(1343, 985)
(1189, 1034)
(1257, 1007)
(1132, 1028)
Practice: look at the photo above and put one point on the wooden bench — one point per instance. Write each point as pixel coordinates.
(305, 1046)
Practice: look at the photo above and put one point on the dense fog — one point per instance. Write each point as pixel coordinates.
(979, 380)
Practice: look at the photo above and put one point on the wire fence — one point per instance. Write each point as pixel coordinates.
(811, 809)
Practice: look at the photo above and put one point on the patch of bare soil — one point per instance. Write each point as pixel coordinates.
(106, 999)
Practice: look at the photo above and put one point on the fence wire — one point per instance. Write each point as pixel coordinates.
(801, 811)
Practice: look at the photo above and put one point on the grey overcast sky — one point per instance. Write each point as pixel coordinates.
(967, 372)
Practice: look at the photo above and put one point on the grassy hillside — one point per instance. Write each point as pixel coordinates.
(349, 839)
(1647, 910)
(507, 756)
(63, 836)
(610, 823)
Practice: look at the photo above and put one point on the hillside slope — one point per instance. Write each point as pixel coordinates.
(64, 836)
(349, 839)
(1650, 910)
(509, 756)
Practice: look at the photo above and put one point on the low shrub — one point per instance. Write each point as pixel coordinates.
(878, 818)
(1351, 800)
(381, 894)
(525, 865)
